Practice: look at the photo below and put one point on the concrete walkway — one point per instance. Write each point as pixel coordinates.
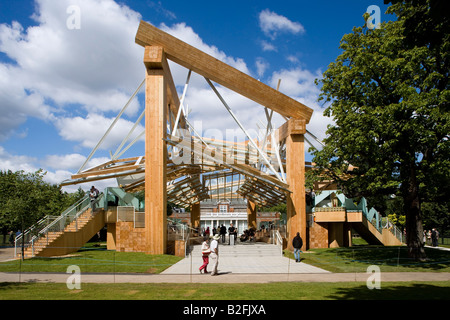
(256, 264)
(245, 258)
(222, 277)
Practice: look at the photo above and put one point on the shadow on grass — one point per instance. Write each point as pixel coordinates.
(395, 256)
(390, 259)
(414, 291)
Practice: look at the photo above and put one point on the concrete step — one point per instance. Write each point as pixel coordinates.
(241, 250)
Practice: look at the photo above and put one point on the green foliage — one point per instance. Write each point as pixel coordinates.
(389, 99)
(281, 208)
(26, 197)
(437, 215)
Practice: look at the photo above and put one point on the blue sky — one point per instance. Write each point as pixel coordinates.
(61, 87)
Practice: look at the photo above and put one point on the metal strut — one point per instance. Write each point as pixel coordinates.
(267, 162)
(111, 126)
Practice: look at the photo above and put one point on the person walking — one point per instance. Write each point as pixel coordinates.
(214, 247)
(206, 251)
(297, 243)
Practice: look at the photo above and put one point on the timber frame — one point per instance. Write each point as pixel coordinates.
(178, 164)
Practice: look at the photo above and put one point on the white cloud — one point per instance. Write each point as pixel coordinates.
(261, 66)
(88, 131)
(157, 6)
(292, 59)
(66, 162)
(15, 162)
(267, 46)
(187, 34)
(97, 66)
(272, 23)
(299, 84)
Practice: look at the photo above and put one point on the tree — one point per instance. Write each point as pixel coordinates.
(389, 99)
(26, 197)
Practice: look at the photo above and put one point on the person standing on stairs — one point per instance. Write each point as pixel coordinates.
(93, 195)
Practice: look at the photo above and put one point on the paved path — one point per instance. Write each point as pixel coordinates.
(223, 277)
(244, 258)
(234, 267)
(6, 253)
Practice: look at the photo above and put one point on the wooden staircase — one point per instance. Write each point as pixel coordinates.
(373, 236)
(74, 236)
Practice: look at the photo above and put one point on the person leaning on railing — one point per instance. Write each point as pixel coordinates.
(93, 195)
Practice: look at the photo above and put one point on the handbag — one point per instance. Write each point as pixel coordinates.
(205, 249)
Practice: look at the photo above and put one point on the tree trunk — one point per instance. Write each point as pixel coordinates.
(414, 228)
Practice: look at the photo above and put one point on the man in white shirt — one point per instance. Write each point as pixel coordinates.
(214, 256)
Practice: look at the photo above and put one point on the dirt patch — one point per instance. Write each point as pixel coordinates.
(190, 293)
(75, 291)
(131, 292)
(151, 270)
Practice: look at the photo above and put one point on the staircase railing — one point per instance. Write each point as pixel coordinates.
(182, 232)
(277, 239)
(53, 224)
(387, 224)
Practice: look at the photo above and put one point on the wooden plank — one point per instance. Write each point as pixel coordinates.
(100, 177)
(218, 71)
(106, 171)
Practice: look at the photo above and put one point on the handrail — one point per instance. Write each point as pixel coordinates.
(55, 223)
(278, 239)
(392, 228)
(185, 231)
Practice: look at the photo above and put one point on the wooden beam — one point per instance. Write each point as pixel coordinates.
(195, 215)
(218, 71)
(155, 159)
(292, 126)
(251, 214)
(295, 174)
(155, 58)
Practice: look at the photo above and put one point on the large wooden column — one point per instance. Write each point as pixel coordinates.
(251, 214)
(294, 131)
(155, 152)
(195, 215)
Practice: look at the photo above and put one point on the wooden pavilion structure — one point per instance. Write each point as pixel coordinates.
(176, 158)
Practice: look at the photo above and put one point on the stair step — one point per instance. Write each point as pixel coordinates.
(243, 250)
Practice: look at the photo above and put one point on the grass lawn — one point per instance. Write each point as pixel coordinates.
(355, 259)
(93, 259)
(257, 291)
(389, 259)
